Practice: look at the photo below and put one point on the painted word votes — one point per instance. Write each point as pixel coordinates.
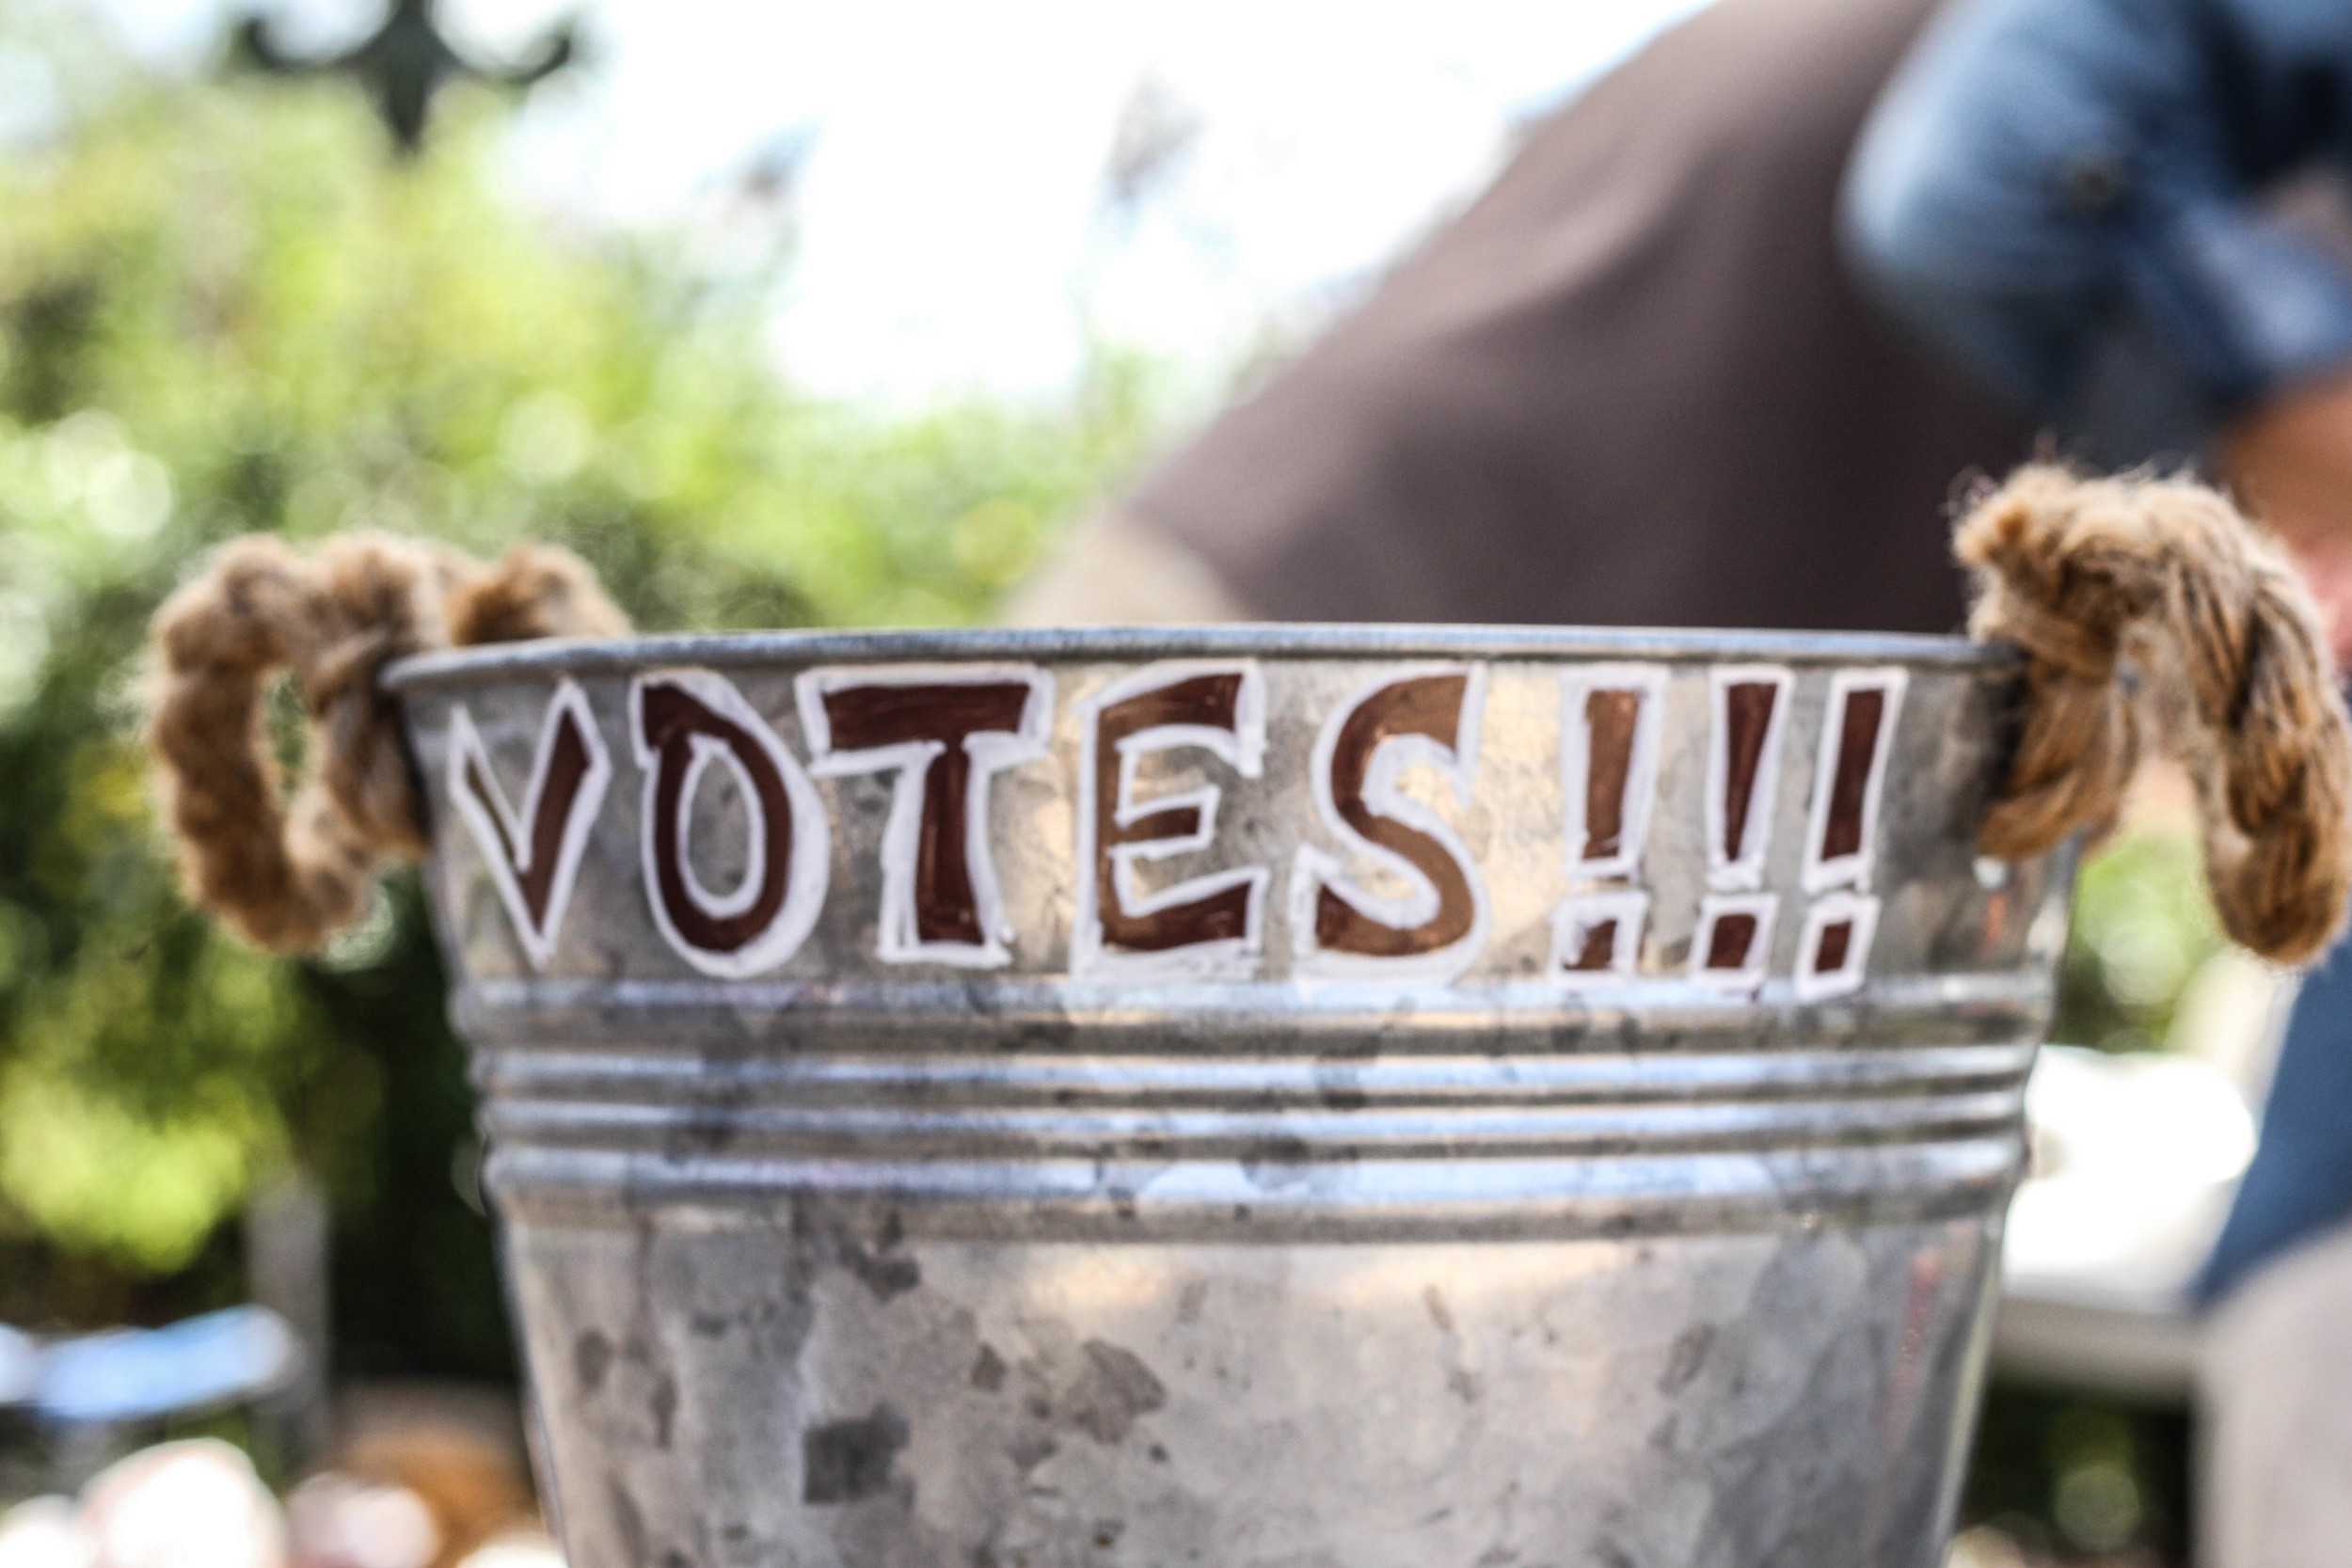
(940, 734)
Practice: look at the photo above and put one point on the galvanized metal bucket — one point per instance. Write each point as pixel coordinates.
(1326, 1097)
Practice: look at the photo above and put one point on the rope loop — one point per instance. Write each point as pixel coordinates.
(2086, 576)
(287, 873)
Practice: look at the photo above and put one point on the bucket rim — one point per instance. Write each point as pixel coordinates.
(1255, 639)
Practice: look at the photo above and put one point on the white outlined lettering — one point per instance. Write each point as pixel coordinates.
(681, 723)
(1424, 717)
(1209, 925)
(945, 731)
(533, 855)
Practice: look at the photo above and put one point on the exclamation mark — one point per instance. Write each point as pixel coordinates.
(1841, 837)
(1747, 714)
(1609, 717)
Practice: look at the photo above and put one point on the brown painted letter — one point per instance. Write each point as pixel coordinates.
(533, 855)
(1212, 700)
(694, 717)
(931, 897)
(533, 862)
(1429, 707)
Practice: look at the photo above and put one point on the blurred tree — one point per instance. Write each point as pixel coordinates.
(220, 310)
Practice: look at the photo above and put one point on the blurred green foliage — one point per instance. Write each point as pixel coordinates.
(2143, 927)
(2072, 1480)
(224, 308)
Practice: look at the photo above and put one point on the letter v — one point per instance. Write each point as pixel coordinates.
(533, 858)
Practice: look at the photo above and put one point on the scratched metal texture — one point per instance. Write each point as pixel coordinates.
(866, 1265)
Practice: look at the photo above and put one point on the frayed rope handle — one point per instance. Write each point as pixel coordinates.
(2088, 575)
(287, 875)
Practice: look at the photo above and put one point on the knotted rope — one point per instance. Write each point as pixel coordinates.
(2088, 575)
(287, 875)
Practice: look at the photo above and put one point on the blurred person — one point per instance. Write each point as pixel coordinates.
(2126, 218)
(1631, 383)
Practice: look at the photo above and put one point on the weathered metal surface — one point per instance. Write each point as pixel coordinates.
(1026, 1196)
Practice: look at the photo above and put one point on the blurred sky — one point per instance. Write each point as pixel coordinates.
(953, 231)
